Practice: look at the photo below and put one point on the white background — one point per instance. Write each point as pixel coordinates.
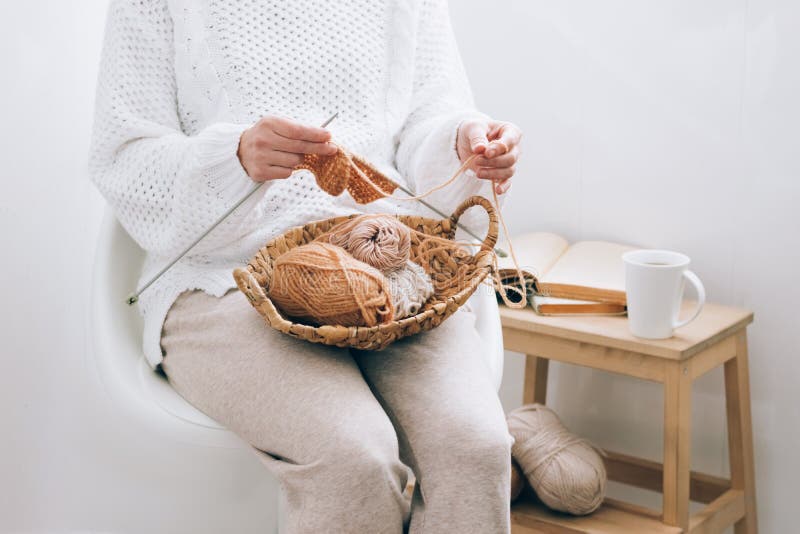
(669, 123)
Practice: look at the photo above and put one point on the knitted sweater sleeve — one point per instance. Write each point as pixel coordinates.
(441, 100)
(165, 187)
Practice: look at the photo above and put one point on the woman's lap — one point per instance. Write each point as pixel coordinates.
(427, 400)
(263, 384)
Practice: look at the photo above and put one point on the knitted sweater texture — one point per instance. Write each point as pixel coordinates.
(180, 80)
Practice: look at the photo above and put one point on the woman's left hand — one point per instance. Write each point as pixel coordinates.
(498, 145)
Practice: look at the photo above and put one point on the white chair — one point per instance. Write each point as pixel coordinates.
(140, 393)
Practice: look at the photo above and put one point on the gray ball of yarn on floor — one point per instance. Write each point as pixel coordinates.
(566, 471)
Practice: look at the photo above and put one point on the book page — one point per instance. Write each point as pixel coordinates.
(590, 263)
(595, 264)
(536, 252)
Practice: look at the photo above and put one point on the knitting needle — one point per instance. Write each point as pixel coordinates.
(133, 297)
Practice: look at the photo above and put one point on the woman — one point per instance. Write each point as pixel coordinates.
(196, 101)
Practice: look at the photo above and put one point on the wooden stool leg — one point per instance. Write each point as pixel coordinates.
(535, 386)
(740, 433)
(677, 426)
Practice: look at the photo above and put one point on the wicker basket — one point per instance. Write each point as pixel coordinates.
(451, 290)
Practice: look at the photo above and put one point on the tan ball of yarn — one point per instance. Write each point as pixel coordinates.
(410, 287)
(322, 284)
(565, 471)
(378, 240)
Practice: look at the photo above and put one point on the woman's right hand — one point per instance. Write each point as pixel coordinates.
(272, 147)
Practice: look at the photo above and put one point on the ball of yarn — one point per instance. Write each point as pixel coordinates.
(381, 241)
(322, 284)
(565, 471)
(410, 288)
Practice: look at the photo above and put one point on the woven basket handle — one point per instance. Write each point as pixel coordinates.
(248, 284)
(491, 235)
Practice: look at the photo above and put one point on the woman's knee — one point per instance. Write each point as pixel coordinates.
(356, 468)
(346, 445)
(480, 446)
(366, 470)
(364, 447)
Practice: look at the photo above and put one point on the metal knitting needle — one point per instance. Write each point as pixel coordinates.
(133, 297)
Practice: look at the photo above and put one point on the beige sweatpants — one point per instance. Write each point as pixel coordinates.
(336, 426)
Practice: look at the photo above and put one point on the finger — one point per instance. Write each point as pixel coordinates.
(505, 160)
(509, 137)
(487, 173)
(294, 130)
(494, 130)
(283, 159)
(276, 172)
(475, 133)
(297, 146)
(502, 186)
(271, 172)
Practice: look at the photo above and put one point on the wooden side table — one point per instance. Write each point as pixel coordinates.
(717, 337)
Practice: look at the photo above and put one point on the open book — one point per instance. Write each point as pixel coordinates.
(587, 277)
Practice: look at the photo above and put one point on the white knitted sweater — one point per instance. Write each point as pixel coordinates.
(180, 80)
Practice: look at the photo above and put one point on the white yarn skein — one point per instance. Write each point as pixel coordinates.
(565, 471)
(410, 287)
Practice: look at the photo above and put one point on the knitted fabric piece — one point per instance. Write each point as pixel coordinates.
(336, 173)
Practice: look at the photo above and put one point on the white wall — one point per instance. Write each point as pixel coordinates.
(669, 124)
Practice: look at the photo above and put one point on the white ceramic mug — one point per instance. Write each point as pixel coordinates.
(654, 284)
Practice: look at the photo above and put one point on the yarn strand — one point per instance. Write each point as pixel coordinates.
(496, 269)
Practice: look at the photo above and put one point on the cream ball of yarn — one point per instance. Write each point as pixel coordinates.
(565, 471)
(410, 287)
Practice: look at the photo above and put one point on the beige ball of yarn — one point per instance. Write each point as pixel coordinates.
(378, 240)
(565, 471)
(410, 287)
(322, 284)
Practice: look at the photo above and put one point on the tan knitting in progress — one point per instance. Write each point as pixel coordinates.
(340, 172)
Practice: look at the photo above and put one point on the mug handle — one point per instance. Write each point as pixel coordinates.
(701, 298)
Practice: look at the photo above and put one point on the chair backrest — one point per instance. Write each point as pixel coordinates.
(116, 327)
